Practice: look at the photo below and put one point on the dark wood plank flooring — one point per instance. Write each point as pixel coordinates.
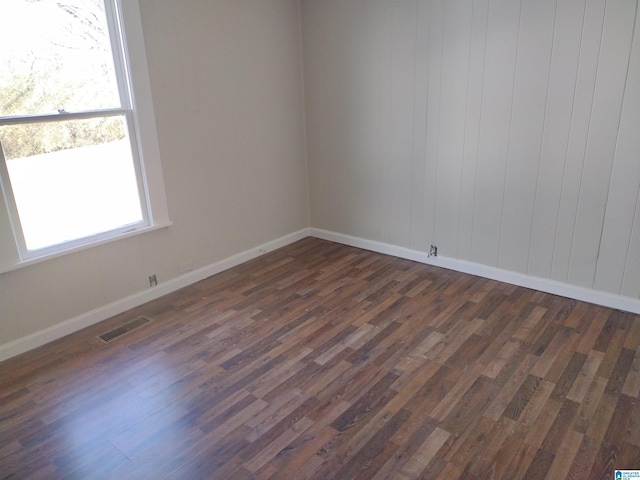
(321, 361)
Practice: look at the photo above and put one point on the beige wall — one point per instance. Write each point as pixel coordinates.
(227, 92)
(504, 132)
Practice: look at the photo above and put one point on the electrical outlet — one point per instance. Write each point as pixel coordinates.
(433, 252)
(153, 281)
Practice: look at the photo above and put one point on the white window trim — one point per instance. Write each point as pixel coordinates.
(138, 106)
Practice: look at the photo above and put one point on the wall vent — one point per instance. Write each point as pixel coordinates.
(127, 327)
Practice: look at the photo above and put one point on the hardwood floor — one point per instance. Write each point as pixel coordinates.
(321, 361)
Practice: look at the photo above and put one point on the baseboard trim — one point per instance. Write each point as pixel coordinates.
(546, 285)
(39, 338)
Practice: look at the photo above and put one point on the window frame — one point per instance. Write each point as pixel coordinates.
(128, 52)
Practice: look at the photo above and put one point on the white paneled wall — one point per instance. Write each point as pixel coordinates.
(618, 264)
(555, 157)
(505, 132)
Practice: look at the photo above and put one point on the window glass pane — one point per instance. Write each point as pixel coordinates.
(55, 55)
(71, 179)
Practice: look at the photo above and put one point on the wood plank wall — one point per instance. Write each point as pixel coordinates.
(503, 131)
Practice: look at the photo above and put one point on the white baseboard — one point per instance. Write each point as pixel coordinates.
(546, 285)
(59, 330)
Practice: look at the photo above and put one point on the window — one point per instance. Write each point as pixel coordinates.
(71, 166)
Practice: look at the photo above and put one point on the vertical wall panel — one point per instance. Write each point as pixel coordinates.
(387, 170)
(603, 129)
(502, 43)
(580, 118)
(402, 71)
(434, 86)
(625, 183)
(455, 72)
(475, 86)
(631, 276)
(525, 135)
(555, 138)
(417, 207)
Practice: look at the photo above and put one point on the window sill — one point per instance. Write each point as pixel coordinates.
(32, 261)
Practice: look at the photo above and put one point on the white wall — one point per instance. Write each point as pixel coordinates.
(227, 92)
(507, 133)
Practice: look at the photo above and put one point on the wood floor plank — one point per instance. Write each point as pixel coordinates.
(592, 441)
(617, 376)
(568, 448)
(585, 377)
(466, 446)
(632, 382)
(528, 417)
(510, 388)
(521, 461)
(278, 444)
(494, 451)
(322, 361)
(424, 454)
(374, 452)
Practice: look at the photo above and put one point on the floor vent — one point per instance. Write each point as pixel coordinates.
(127, 327)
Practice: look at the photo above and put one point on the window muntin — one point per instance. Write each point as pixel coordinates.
(71, 171)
